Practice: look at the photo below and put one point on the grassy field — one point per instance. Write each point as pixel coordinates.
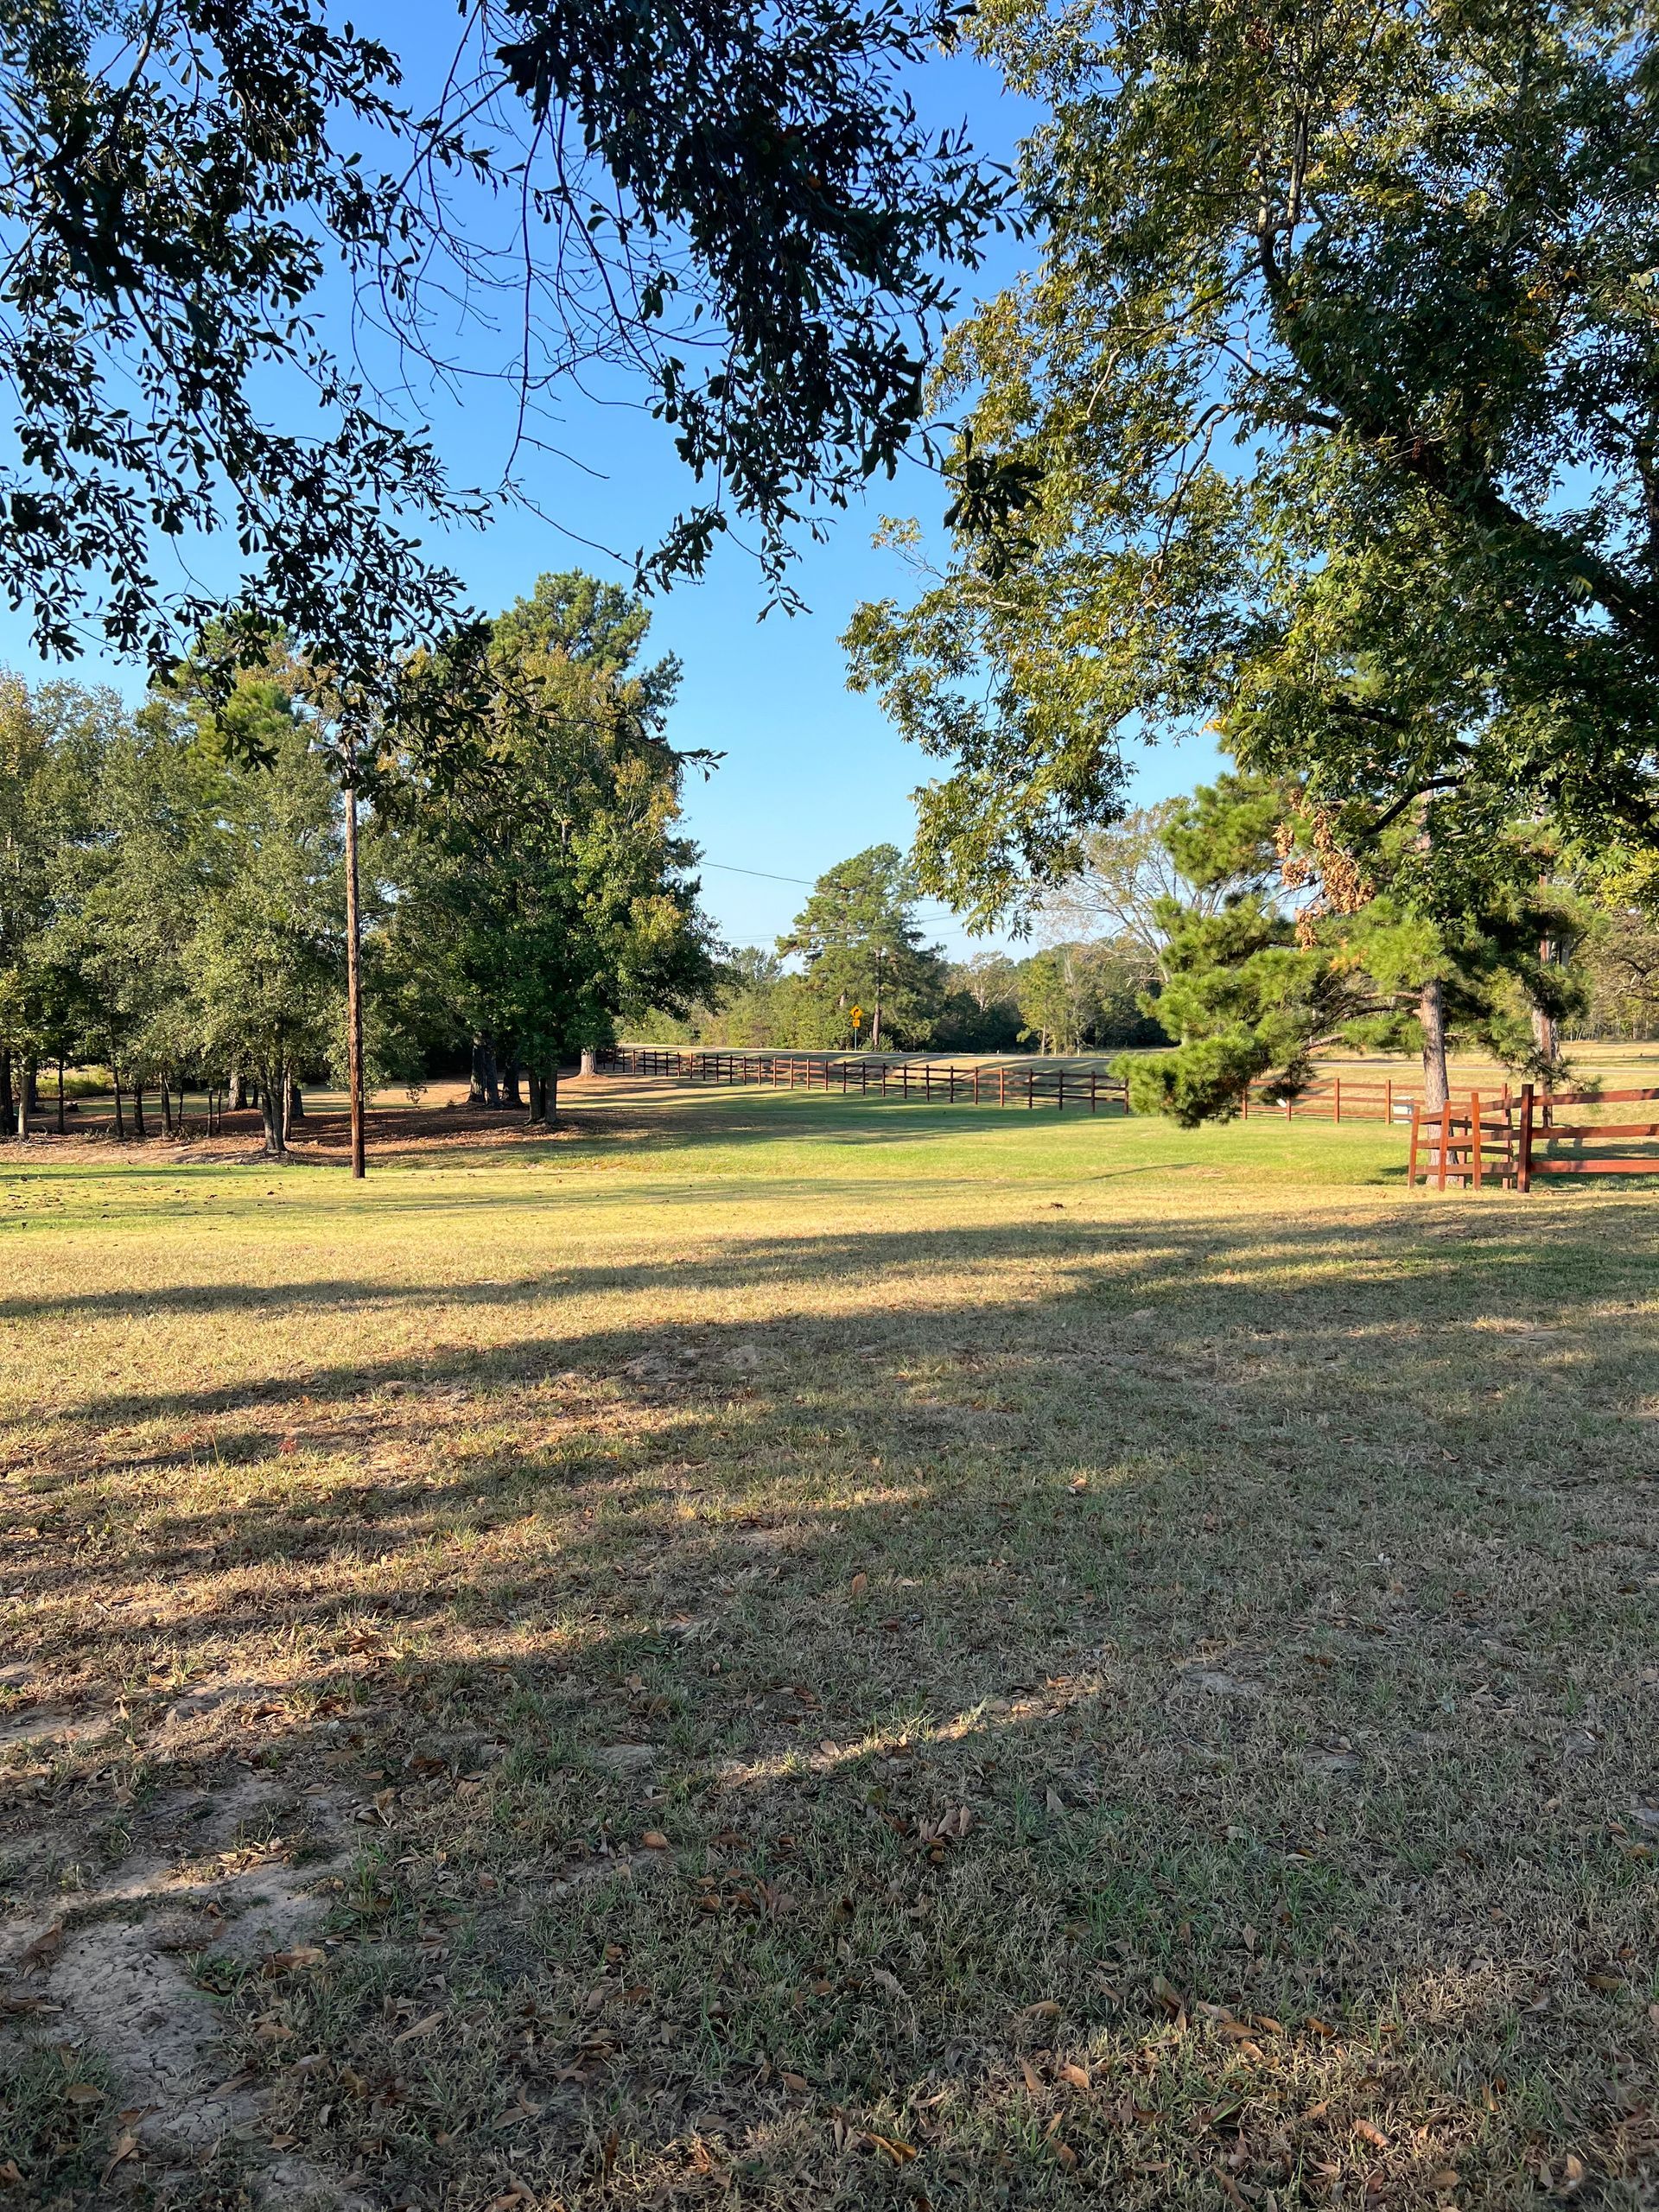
(774, 1653)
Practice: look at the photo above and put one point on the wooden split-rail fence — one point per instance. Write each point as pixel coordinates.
(1504, 1139)
(1511, 1139)
(1335, 1098)
(866, 1075)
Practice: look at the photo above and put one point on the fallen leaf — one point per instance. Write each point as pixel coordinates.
(421, 2028)
(860, 1583)
(1447, 2177)
(83, 2093)
(654, 1839)
(1374, 2136)
(10, 2176)
(1046, 2008)
(795, 2083)
(42, 1949)
(1318, 2027)
(1077, 2076)
(1066, 2155)
(901, 2153)
(302, 1955)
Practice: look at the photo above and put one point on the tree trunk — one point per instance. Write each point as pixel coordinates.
(475, 1081)
(588, 1060)
(510, 1093)
(60, 1122)
(31, 1088)
(489, 1076)
(239, 1089)
(1544, 1033)
(270, 1112)
(354, 985)
(7, 1122)
(550, 1091)
(120, 1119)
(1431, 1013)
(28, 1100)
(138, 1128)
(537, 1098)
(295, 1103)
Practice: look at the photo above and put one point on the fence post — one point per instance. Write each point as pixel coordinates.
(975, 1082)
(1416, 1122)
(1031, 1077)
(1524, 1153)
(1474, 1132)
(1094, 1087)
(1446, 1138)
(1002, 1086)
(1337, 1116)
(1388, 1098)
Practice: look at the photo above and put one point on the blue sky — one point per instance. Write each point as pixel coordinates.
(811, 772)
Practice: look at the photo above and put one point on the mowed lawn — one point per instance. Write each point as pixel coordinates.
(777, 1652)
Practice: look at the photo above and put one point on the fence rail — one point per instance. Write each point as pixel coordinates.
(864, 1076)
(1336, 1098)
(1539, 1130)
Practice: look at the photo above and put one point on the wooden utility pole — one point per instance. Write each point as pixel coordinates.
(353, 979)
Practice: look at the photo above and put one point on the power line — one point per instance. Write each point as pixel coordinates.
(809, 883)
(726, 869)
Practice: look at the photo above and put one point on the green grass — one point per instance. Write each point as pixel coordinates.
(775, 1652)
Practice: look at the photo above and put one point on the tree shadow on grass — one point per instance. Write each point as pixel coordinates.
(1153, 1712)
